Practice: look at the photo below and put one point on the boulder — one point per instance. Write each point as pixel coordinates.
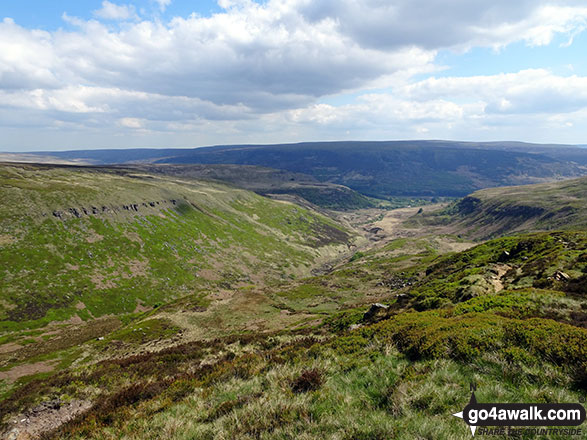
(375, 313)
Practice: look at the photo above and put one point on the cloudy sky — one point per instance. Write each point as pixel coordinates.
(179, 73)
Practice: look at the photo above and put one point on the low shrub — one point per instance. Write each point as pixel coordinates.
(309, 380)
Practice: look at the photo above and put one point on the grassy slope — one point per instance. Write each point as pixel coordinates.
(509, 314)
(399, 378)
(111, 259)
(266, 181)
(496, 211)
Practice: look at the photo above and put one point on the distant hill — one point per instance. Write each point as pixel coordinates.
(381, 169)
(268, 182)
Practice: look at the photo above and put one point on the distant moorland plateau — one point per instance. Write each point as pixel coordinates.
(377, 169)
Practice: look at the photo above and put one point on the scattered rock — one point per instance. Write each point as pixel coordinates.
(402, 299)
(50, 405)
(505, 255)
(561, 276)
(43, 418)
(397, 282)
(375, 313)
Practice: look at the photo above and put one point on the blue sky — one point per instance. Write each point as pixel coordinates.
(172, 73)
(47, 15)
(556, 57)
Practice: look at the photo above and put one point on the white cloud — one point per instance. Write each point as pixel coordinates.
(27, 58)
(111, 11)
(163, 4)
(131, 122)
(264, 58)
(263, 69)
(459, 24)
(527, 91)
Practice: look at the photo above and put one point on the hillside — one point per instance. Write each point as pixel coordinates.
(82, 243)
(381, 169)
(498, 211)
(396, 374)
(193, 310)
(269, 182)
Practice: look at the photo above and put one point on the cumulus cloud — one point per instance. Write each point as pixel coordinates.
(265, 58)
(111, 11)
(527, 91)
(531, 104)
(27, 58)
(448, 24)
(131, 122)
(269, 65)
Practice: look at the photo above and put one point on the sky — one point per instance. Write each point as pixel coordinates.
(179, 73)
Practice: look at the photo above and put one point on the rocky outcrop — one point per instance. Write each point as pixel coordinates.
(376, 312)
(397, 282)
(80, 212)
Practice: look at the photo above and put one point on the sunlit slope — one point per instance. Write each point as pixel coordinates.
(85, 242)
(508, 315)
(500, 211)
(268, 181)
(555, 261)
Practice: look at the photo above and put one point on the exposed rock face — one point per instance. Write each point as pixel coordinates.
(402, 300)
(375, 313)
(79, 212)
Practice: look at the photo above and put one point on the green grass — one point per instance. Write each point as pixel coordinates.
(112, 261)
(402, 377)
(374, 392)
(283, 358)
(490, 213)
(530, 260)
(144, 331)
